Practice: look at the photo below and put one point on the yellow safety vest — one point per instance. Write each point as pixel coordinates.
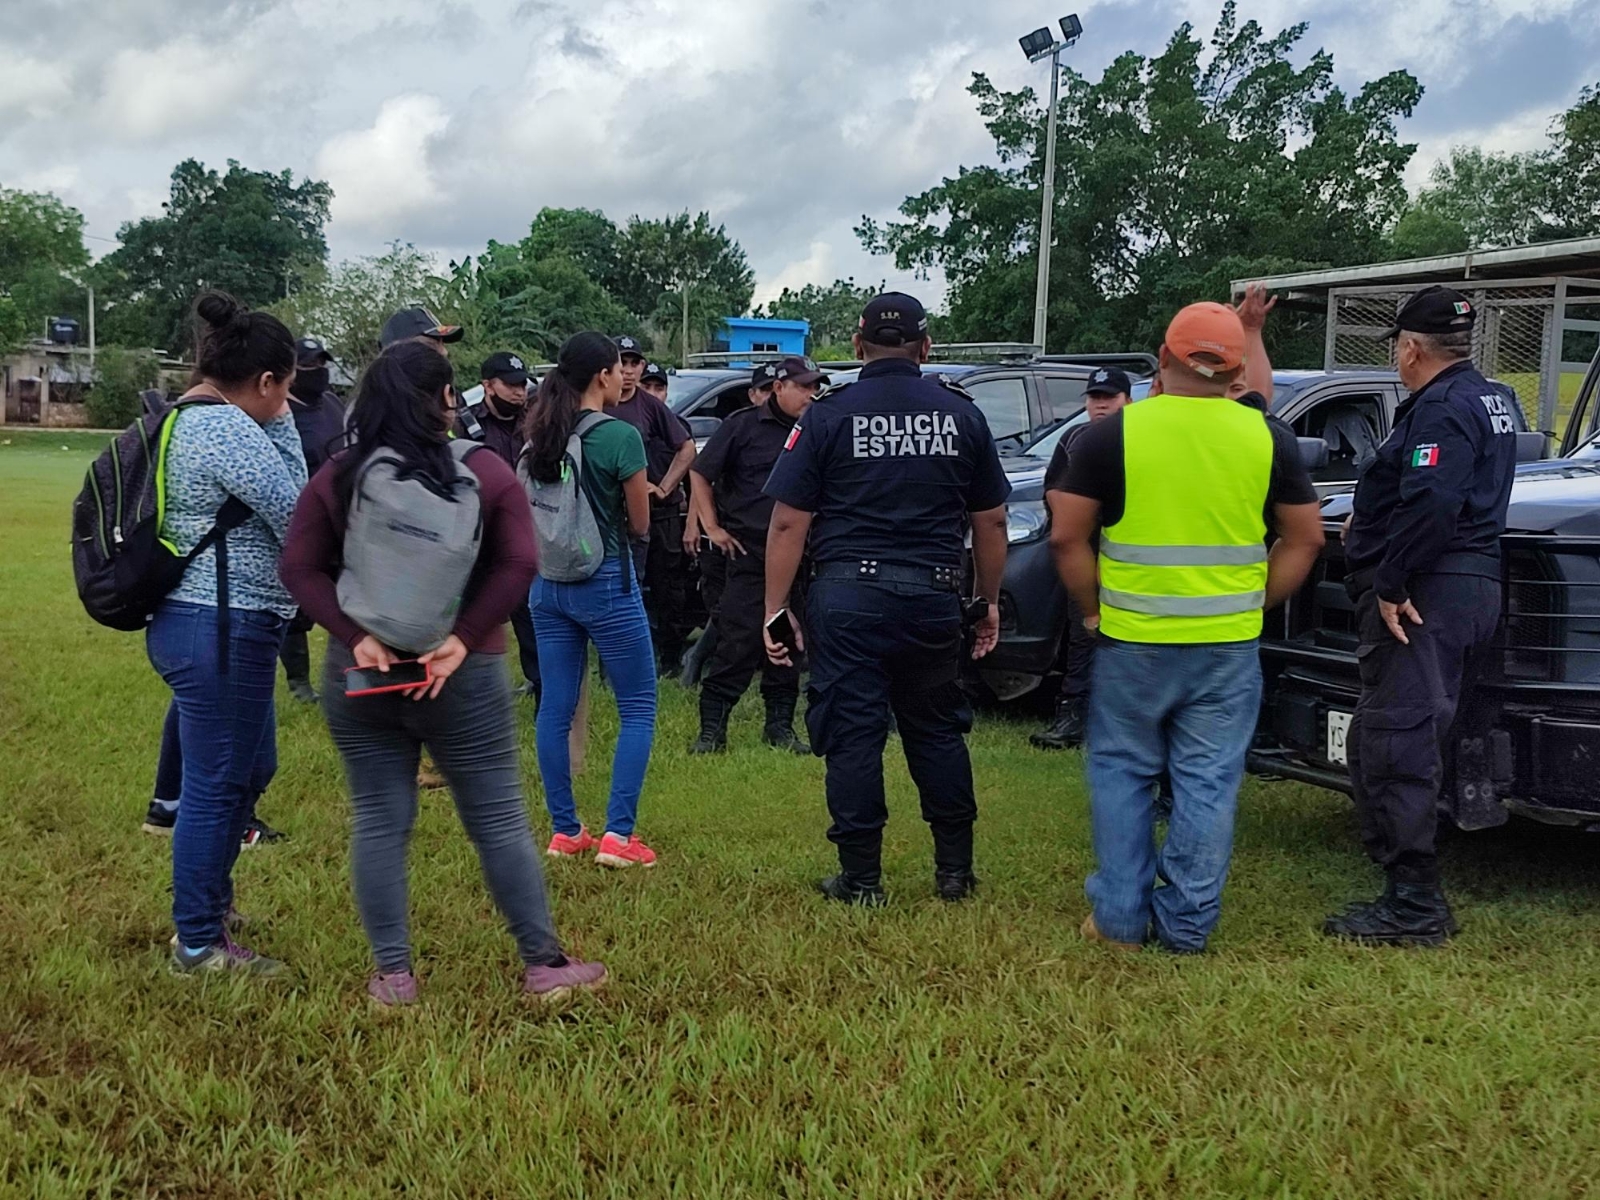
(1187, 563)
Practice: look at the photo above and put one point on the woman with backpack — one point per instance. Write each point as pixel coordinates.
(588, 592)
(215, 638)
(410, 545)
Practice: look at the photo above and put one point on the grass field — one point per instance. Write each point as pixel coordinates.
(753, 1041)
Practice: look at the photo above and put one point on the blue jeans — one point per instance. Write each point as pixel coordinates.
(566, 617)
(227, 730)
(1191, 711)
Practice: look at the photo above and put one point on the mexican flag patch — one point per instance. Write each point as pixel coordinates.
(794, 436)
(1425, 456)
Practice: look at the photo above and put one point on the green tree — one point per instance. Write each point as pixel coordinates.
(42, 261)
(834, 311)
(113, 399)
(660, 260)
(347, 306)
(585, 236)
(1475, 198)
(256, 234)
(1174, 174)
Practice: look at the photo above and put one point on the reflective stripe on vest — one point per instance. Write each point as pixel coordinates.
(1187, 562)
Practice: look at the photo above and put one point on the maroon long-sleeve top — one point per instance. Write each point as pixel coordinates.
(507, 561)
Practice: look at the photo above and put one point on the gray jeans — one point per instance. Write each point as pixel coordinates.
(469, 730)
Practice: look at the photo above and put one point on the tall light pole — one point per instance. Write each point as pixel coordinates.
(1039, 45)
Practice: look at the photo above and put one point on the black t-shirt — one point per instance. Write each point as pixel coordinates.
(1055, 475)
(736, 462)
(1098, 470)
(890, 466)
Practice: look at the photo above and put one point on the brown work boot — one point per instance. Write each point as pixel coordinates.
(1091, 932)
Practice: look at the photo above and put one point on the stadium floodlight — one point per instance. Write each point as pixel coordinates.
(1071, 29)
(1037, 44)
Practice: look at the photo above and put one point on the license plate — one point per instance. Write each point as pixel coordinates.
(1338, 738)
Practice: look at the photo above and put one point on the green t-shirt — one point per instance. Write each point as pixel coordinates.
(612, 452)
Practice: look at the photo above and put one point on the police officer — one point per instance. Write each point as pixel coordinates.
(496, 421)
(420, 324)
(714, 567)
(727, 478)
(654, 380)
(1423, 560)
(886, 475)
(1108, 392)
(319, 420)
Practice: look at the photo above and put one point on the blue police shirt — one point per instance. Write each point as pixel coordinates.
(1439, 485)
(890, 466)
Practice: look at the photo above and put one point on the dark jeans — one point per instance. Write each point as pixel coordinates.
(740, 650)
(1190, 710)
(1408, 702)
(227, 731)
(876, 647)
(296, 652)
(470, 732)
(527, 644)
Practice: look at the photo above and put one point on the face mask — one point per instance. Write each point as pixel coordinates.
(309, 384)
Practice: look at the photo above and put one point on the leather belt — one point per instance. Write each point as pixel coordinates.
(871, 570)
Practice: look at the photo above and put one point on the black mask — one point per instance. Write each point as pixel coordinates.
(310, 383)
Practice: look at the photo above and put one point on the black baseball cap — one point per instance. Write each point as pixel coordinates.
(893, 319)
(309, 352)
(506, 367)
(798, 369)
(764, 375)
(1108, 381)
(629, 345)
(1434, 310)
(654, 371)
(414, 323)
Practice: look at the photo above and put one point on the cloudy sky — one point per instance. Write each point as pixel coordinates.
(448, 122)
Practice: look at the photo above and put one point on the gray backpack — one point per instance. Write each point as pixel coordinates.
(410, 543)
(571, 546)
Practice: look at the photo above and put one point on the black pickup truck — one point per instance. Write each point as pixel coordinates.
(1527, 737)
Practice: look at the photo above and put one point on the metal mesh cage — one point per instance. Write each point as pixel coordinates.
(1522, 336)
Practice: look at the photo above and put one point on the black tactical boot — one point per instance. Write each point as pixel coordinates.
(302, 691)
(1409, 914)
(714, 715)
(862, 891)
(1067, 730)
(779, 732)
(952, 862)
(955, 885)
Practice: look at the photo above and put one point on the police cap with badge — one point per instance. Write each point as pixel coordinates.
(1108, 381)
(507, 367)
(1434, 311)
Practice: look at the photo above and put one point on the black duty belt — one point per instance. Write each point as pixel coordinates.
(870, 570)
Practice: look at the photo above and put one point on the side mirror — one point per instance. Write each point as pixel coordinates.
(1533, 447)
(1313, 453)
(701, 428)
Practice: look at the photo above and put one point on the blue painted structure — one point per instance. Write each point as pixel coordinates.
(746, 334)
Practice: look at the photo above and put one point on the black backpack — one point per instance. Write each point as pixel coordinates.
(122, 566)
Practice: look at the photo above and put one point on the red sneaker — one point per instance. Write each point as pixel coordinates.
(618, 851)
(562, 846)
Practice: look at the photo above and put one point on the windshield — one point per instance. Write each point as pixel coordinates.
(1044, 446)
(683, 389)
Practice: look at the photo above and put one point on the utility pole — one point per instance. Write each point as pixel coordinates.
(685, 286)
(91, 328)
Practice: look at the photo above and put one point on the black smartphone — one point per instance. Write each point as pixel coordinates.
(781, 629)
(369, 681)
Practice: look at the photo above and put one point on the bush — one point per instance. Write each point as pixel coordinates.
(112, 401)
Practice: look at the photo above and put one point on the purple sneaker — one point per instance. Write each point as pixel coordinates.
(393, 989)
(556, 983)
(226, 955)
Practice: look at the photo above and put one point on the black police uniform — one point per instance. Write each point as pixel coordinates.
(319, 417)
(1428, 516)
(890, 466)
(736, 462)
(503, 435)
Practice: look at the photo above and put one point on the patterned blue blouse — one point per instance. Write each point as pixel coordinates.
(217, 451)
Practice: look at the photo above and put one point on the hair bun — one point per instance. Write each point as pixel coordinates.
(218, 309)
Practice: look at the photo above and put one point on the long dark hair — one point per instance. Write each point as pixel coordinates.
(399, 406)
(554, 410)
(234, 345)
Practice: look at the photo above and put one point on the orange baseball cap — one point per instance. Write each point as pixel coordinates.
(1208, 338)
